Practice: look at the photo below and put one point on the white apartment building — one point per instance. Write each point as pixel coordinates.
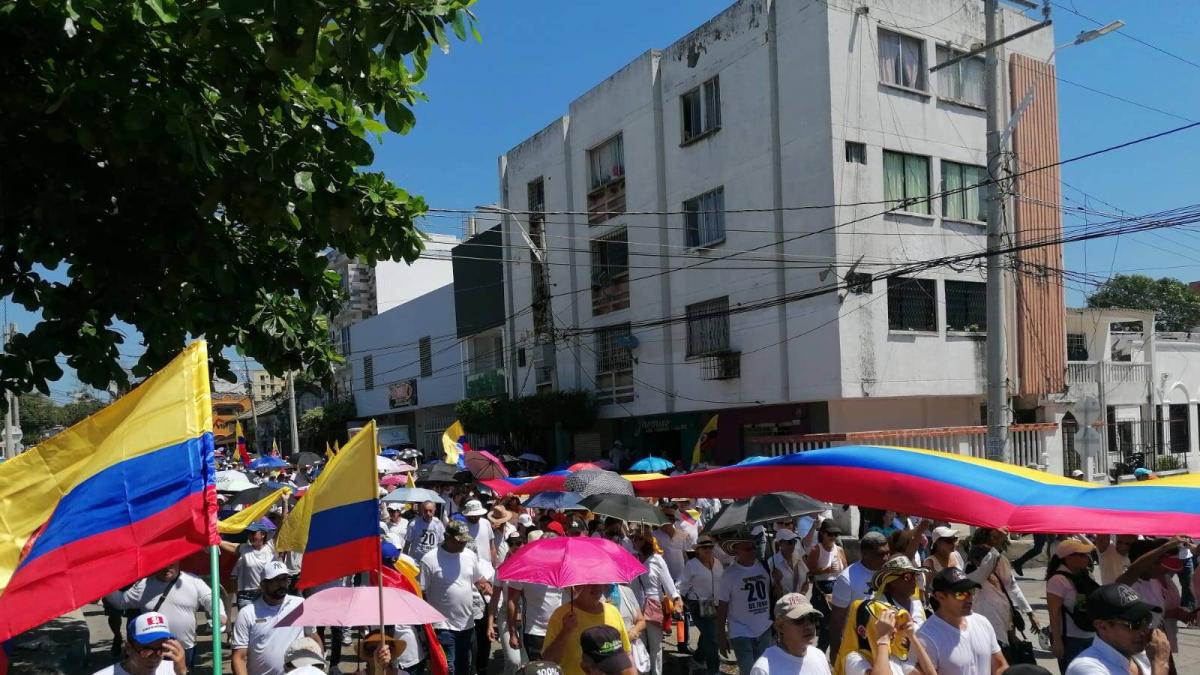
(686, 203)
(397, 282)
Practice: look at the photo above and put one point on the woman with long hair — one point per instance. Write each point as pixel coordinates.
(825, 562)
(1068, 582)
(653, 588)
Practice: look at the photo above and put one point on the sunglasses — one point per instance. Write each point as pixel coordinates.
(149, 650)
(963, 595)
(1132, 625)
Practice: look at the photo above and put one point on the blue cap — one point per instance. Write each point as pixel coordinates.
(390, 553)
(149, 627)
(261, 525)
(1141, 471)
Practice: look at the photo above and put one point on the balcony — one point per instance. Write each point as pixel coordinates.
(486, 384)
(1107, 372)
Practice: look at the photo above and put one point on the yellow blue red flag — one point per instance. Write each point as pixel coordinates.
(119, 495)
(243, 453)
(704, 444)
(336, 524)
(454, 443)
(239, 521)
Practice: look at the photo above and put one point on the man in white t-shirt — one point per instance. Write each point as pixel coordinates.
(450, 574)
(481, 530)
(854, 583)
(178, 596)
(253, 556)
(150, 650)
(796, 625)
(395, 529)
(259, 644)
(425, 533)
(744, 605)
(959, 642)
(529, 628)
(1114, 555)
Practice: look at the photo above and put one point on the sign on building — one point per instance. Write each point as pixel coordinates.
(402, 394)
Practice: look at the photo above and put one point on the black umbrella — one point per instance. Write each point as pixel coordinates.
(438, 472)
(764, 509)
(310, 458)
(248, 497)
(629, 509)
(590, 482)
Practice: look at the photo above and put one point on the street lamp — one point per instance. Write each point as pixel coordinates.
(1089, 35)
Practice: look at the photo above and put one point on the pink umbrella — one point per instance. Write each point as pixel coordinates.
(483, 465)
(393, 479)
(359, 606)
(585, 466)
(571, 561)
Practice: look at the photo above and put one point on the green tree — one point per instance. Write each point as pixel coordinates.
(38, 414)
(1176, 307)
(82, 406)
(325, 424)
(189, 163)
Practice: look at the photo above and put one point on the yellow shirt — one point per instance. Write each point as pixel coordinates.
(572, 654)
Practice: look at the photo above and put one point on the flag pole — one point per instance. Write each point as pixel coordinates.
(214, 559)
(379, 555)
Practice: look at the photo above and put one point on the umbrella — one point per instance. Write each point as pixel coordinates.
(753, 460)
(309, 458)
(606, 465)
(530, 457)
(232, 481)
(268, 463)
(483, 465)
(413, 496)
(393, 479)
(251, 496)
(571, 561)
(359, 606)
(594, 482)
(390, 452)
(629, 509)
(765, 509)
(585, 466)
(438, 472)
(649, 464)
(554, 501)
(509, 459)
(388, 465)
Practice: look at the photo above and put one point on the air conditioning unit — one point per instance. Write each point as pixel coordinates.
(723, 366)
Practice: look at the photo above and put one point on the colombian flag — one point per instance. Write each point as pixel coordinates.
(114, 498)
(454, 443)
(704, 444)
(336, 525)
(241, 446)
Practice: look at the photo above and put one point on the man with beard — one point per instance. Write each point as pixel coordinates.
(259, 645)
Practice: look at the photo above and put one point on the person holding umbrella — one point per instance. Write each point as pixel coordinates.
(587, 609)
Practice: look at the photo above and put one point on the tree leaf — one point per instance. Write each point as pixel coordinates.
(398, 117)
(304, 181)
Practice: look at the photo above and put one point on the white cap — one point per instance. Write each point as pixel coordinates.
(149, 627)
(943, 533)
(785, 535)
(304, 652)
(473, 507)
(1076, 473)
(273, 570)
(395, 506)
(525, 520)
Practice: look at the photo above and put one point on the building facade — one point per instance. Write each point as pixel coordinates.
(718, 226)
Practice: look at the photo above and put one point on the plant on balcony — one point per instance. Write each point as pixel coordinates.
(1167, 463)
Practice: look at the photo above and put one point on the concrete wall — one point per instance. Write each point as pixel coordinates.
(397, 282)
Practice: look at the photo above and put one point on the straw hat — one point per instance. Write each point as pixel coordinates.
(372, 641)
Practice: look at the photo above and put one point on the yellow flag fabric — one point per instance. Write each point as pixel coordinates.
(452, 442)
(242, 519)
(708, 436)
(328, 452)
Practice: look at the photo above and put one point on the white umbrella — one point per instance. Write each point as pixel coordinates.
(389, 465)
(232, 481)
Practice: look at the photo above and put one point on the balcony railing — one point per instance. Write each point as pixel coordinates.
(1107, 372)
(486, 383)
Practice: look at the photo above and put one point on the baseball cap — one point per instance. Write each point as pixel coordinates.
(274, 570)
(1076, 473)
(149, 627)
(943, 532)
(785, 535)
(951, 580)
(261, 525)
(830, 527)
(458, 530)
(473, 507)
(389, 552)
(1118, 601)
(525, 520)
(395, 506)
(540, 668)
(603, 647)
(304, 652)
(795, 606)
(1071, 546)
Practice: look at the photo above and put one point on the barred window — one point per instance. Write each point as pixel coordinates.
(368, 364)
(425, 350)
(708, 327)
(704, 218)
(912, 304)
(1077, 348)
(612, 348)
(610, 273)
(966, 306)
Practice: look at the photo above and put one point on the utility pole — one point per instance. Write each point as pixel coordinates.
(253, 405)
(291, 385)
(997, 365)
(12, 410)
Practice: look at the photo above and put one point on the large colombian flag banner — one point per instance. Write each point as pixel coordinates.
(336, 524)
(113, 499)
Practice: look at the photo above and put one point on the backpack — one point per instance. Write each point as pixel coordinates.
(1083, 584)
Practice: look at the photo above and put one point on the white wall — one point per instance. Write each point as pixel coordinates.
(397, 282)
(392, 340)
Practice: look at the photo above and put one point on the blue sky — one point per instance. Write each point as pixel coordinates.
(538, 55)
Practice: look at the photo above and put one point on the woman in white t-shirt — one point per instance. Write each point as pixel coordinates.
(942, 552)
(1068, 581)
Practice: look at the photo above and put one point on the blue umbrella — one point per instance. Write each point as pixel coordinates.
(651, 464)
(268, 463)
(555, 501)
(753, 460)
(390, 452)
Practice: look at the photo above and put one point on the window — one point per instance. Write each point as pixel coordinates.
(902, 60)
(704, 218)
(701, 110)
(1177, 416)
(345, 340)
(368, 372)
(610, 273)
(614, 364)
(425, 350)
(856, 153)
(961, 203)
(912, 304)
(708, 327)
(966, 306)
(1077, 349)
(521, 357)
(906, 181)
(606, 196)
(962, 81)
(858, 283)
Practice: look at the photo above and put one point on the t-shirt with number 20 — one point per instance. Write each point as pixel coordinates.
(747, 589)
